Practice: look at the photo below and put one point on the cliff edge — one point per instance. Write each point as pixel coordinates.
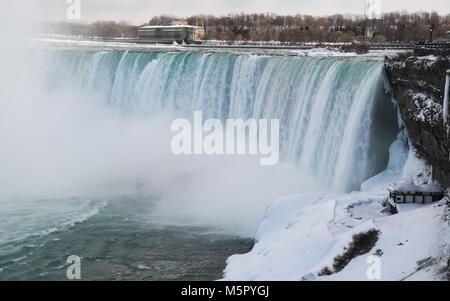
(418, 84)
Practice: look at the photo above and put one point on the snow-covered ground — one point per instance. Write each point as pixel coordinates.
(323, 52)
(302, 234)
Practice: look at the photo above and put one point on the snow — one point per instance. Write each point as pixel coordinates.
(428, 110)
(323, 52)
(428, 58)
(428, 61)
(381, 181)
(301, 234)
(444, 201)
(408, 187)
(405, 240)
(292, 238)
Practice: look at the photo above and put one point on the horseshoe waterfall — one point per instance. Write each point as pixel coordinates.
(87, 165)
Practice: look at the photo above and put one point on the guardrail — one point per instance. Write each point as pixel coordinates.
(437, 48)
(420, 47)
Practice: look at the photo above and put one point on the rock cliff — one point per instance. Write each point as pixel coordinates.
(418, 84)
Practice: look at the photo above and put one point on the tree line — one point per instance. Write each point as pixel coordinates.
(396, 26)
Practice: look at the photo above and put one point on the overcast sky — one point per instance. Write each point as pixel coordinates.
(139, 11)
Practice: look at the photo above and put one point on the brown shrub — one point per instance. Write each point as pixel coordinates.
(361, 244)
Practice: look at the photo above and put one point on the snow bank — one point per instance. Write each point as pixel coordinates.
(381, 181)
(323, 52)
(302, 234)
(276, 255)
(412, 244)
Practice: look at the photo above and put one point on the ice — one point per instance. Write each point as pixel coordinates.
(398, 155)
(381, 181)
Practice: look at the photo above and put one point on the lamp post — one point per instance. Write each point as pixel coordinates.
(431, 32)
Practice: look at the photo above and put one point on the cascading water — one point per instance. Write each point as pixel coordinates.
(86, 155)
(337, 123)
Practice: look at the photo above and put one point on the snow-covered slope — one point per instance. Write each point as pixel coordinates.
(302, 234)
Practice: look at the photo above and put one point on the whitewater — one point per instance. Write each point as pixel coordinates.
(86, 146)
(328, 108)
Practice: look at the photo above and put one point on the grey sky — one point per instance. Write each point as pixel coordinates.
(139, 11)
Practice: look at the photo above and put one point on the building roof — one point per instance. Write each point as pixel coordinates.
(403, 187)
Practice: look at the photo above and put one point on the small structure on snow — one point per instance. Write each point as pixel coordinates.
(406, 193)
(403, 193)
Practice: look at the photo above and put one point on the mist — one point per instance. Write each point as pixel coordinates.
(63, 141)
(60, 139)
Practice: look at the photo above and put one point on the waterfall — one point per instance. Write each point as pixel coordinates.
(337, 123)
